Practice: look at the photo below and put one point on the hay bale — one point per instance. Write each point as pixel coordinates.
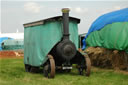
(107, 58)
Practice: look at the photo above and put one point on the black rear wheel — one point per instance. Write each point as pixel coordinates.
(27, 68)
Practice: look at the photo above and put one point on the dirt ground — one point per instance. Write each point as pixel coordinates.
(11, 54)
(106, 58)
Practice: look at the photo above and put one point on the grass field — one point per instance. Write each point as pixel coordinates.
(12, 73)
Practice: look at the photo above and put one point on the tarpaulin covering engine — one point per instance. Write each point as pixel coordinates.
(111, 21)
(40, 39)
(112, 36)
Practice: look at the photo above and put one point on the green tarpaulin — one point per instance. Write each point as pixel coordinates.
(112, 36)
(40, 39)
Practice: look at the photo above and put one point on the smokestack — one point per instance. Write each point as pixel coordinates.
(65, 21)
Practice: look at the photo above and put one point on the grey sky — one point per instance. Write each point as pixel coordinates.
(15, 13)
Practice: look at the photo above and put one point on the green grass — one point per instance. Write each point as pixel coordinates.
(12, 73)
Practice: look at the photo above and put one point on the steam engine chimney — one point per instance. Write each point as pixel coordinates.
(65, 21)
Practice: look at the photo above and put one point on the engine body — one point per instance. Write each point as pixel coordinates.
(65, 50)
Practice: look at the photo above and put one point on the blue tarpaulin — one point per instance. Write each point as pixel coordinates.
(109, 18)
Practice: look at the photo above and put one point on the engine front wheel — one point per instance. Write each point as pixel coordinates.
(85, 66)
(88, 65)
(49, 68)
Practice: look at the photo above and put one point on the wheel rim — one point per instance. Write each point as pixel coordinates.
(88, 65)
(52, 66)
(49, 68)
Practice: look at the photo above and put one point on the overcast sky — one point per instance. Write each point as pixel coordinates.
(15, 13)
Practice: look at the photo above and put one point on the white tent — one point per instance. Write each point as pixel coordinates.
(13, 35)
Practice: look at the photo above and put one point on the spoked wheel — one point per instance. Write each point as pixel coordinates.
(85, 65)
(88, 65)
(49, 68)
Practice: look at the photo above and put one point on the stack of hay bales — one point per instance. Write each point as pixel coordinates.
(106, 58)
(107, 40)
